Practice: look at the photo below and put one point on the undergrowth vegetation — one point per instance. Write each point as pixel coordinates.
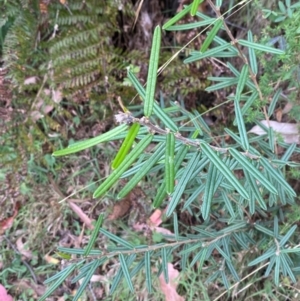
(199, 173)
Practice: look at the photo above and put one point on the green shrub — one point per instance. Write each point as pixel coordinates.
(237, 191)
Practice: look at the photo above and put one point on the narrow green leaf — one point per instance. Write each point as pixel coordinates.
(79, 146)
(126, 272)
(241, 126)
(175, 223)
(116, 174)
(161, 193)
(158, 111)
(277, 270)
(117, 239)
(209, 191)
(126, 145)
(252, 56)
(265, 256)
(287, 236)
(130, 259)
(255, 190)
(148, 271)
(274, 102)
(218, 24)
(286, 265)
(252, 170)
(182, 183)
(169, 163)
(260, 47)
(164, 263)
(222, 85)
(148, 164)
(195, 6)
(177, 17)
(94, 235)
(67, 271)
(227, 173)
(278, 177)
(87, 279)
(241, 83)
(190, 26)
(152, 72)
(208, 53)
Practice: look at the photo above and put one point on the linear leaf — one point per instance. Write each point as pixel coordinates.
(224, 169)
(274, 102)
(260, 47)
(287, 236)
(116, 174)
(169, 163)
(175, 223)
(66, 272)
(208, 53)
(189, 26)
(148, 164)
(252, 170)
(161, 193)
(94, 235)
(209, 190)
(255, 190)
(126, 145)
(126, 272)
(277, 176)
(218, 24)
(241, 126)
(148, 271)
(177, 17)
(152, 72)
(242, 81)
(158, 111)
(182, 183)
(221, 85)
(79, 146)
(87, 279)
(117, 239)
(164, 263)
(194, 7)
(252, 56)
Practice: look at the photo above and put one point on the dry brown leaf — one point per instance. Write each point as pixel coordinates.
(8, 222)
(120, 209)
(51, 259)
(22, 249)
(155, 218)
(169, 289)
(84, 218)
(288, 131)
(4, 296)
